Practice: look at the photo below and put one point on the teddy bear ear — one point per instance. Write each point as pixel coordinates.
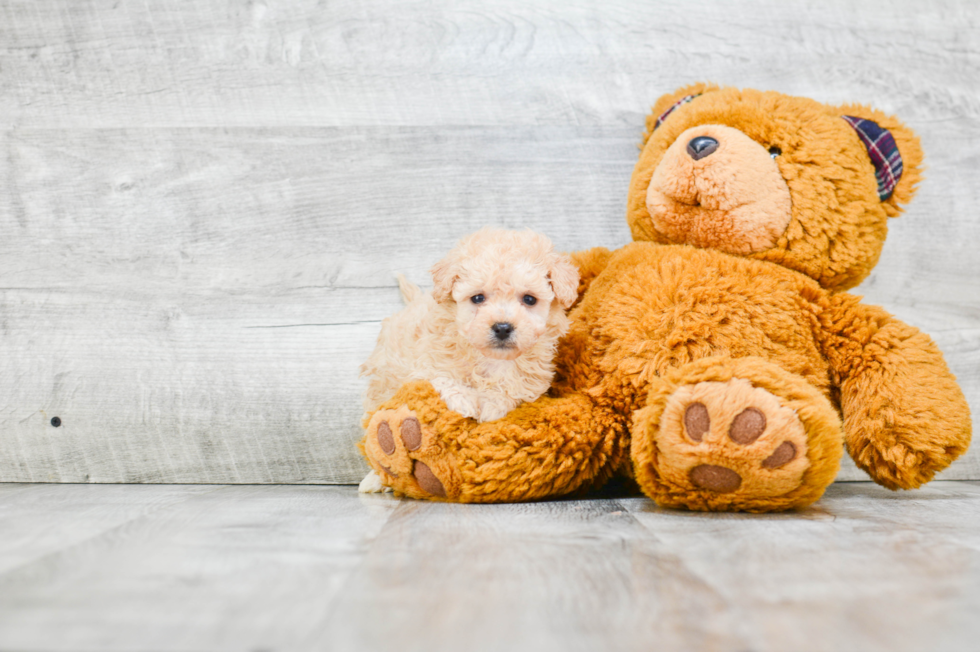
(670, 102)
(894, 151)
(444, 276)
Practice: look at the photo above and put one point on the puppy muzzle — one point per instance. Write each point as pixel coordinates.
(502, 332)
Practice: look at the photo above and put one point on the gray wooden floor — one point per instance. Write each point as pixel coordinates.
(218, 567)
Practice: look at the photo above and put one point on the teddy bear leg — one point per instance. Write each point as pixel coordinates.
(722, 434)
(550, 447)
(394, 448)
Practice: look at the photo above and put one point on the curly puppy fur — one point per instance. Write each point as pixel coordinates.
(485, 338)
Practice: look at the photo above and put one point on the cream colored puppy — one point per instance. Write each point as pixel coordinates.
(486, 335)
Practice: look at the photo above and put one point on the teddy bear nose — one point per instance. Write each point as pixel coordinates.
(701, 146)
(502, 330)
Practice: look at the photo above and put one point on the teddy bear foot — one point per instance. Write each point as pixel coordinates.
(402, 451)
(736, 435)
(731, 436)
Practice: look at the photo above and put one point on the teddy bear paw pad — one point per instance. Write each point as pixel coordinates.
(395, 445)
(731, 437)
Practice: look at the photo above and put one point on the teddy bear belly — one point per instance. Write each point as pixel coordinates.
(660, 306)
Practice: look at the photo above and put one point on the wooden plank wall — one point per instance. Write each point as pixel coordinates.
(203, 204)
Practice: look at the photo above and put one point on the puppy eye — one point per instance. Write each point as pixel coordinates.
(775, 151)
(478, 298)
(529, 300)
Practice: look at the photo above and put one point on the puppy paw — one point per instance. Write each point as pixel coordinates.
(491, 411)
(461, 405)
(731, 443)
(408, 457)
(459, 399)
(371, 484)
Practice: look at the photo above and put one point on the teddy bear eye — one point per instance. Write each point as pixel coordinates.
(775, 151)
(529, 300)
(478, 299)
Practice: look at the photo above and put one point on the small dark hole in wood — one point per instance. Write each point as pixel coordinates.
(55, 421)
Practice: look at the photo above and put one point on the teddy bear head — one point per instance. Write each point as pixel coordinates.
(773, 177)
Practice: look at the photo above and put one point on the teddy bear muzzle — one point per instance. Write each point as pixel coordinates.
(717, 188)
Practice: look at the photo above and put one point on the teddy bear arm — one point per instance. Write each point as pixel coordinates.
(550, 447)
(905, 417)
(590, 264)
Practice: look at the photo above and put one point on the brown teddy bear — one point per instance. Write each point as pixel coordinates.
(716, 359)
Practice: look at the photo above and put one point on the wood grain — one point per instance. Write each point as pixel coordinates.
(197, 314)
(42, 520)
(204, 204)
(227, 568)
(375, 62)
(322, 568)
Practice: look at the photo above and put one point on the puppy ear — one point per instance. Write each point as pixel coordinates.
(444, 277)
(563, 276)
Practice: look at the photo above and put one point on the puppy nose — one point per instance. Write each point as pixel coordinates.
(502, 330)
(701, 146)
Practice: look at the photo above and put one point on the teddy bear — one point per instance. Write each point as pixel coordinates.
(717, 360)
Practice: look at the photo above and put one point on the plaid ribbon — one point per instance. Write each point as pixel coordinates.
(883, 152)
(679, 103)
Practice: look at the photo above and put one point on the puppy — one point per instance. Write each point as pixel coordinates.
(485, 338)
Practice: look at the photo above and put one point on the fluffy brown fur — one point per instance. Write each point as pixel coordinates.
(716, 360)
